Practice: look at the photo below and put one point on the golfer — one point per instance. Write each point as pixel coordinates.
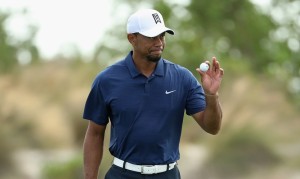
(144, 97)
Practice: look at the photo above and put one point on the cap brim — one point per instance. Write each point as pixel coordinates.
(156, 31)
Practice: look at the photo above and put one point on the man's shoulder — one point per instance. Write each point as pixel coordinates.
(175, 66)
(114, 69)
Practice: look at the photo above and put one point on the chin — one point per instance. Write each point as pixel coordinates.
(153, 58)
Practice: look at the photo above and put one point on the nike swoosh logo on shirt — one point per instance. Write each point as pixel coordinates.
(168, 92)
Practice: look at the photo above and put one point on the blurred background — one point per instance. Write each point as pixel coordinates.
(50, 53)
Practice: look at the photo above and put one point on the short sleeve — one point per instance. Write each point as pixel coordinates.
(95, 108)
(195, 98)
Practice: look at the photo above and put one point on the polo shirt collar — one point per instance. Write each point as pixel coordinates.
(159, 70)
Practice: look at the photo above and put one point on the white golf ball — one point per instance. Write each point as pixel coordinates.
(204, 67)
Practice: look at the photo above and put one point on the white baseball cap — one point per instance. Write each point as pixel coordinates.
(147, 22)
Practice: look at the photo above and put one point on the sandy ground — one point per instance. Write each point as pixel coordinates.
(30, 162)
(192, 157)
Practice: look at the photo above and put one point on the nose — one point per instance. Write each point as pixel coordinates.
(158, 41)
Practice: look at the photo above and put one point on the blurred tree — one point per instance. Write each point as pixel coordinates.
(286, 14)
(7, 52)
(238, 31)
(13, 51)
(231, 28)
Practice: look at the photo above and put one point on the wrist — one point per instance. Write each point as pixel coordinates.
(215, 94)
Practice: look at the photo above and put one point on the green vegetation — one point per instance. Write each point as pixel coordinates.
(70, 169)
(42, 101)
(230, 30)
(14, 52)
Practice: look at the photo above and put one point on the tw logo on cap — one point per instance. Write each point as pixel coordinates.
(156, 18)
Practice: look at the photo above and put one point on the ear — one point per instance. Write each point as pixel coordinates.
(131, 38)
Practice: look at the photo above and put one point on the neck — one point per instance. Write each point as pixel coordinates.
(145, 66)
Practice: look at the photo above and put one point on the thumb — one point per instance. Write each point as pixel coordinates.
(200, 72)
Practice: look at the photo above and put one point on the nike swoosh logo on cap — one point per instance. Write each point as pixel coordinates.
(168, 92)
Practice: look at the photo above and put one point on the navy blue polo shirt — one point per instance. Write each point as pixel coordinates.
(146, 113)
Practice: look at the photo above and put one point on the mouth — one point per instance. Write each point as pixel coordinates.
(156, 52)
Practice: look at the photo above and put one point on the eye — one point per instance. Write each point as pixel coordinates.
(160, 36)
(153, 38)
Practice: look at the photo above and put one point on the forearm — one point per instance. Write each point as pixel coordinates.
(92, 154)
(212, 114)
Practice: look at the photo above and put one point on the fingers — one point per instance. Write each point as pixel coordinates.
(221, 73)
(200, 72)
(215, 65)
(208, 63)
(213, 68)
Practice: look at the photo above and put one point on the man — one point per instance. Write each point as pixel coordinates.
(145, 96)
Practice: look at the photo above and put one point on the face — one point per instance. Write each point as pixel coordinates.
(149, 48)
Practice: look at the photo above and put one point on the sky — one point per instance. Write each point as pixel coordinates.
(64, 24)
